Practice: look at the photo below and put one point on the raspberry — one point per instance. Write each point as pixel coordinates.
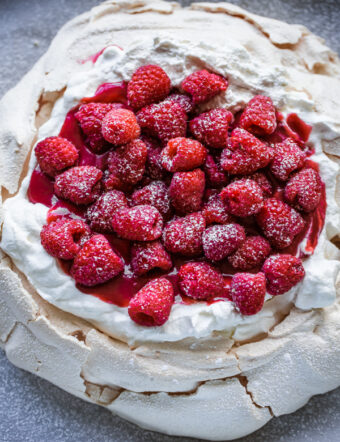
(90, 117)
(263, 182)
(279, 222)
(200, 280)
(245, 153)
(288, 157)
(214, 211)
(149, 84)
(242, 197)
(80, 185)
(182, 154)
(184, 235)
(99, 215)
(248, 292)
(187, 190)
(165, 120)
(219, 241)
(211, 127)
(251, 253)
(120, 127)
(183, 100)
(62, 238)
(214, 174)
(303, 190)
(139, 223)
(154, 194)
(259, 116)
(282, 273)
(96, 262)
(203, 85)
(55, 154)
(151, 306)
(153, 165)
(149, 255)
(126, 165)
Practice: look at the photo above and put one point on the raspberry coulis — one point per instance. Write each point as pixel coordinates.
(121, 289)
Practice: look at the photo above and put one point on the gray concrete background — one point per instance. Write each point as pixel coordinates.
(32, 409)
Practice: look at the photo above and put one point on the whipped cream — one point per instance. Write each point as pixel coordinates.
(179, 57)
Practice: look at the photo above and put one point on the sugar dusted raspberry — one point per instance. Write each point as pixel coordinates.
(96, 262)
(153, 165)
(288, 158)
(282, 273)
(80, 185)
(248, 292)
(216, 177)
(211, 127)
(146, 256)
(259, 116)
(187, 190)
(165, 120)
(99, 215)
(139, 223)
(242, 197)
(55, 154)
(120, 127)
(219, 241)
(279, 222)
(149, 84)
(303, 190)
(245, 153)
(251, 253)
(182, 154)
(154, 194)
(263, 182)
(183, 100)
(90, 117)
(126, 165)
(184, 235)
(200, 280)
(203, 85)
(62, 238)
(214, 211)
(151, 306)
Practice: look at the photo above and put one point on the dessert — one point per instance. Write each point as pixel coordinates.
(174, 231)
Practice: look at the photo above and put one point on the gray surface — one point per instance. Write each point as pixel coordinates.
(33, 410)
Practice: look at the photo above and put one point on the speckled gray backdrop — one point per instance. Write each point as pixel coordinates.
(32, 409)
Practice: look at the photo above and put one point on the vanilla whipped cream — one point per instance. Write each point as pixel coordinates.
(23, 221)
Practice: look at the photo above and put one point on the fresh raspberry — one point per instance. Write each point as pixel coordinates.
(149, 84)
(242, 197)
(251, 253)
(219, 241)
(120, 127)
(96, 262)
(146, 256)
(151, 306)
(153, 165)
(211, 127)
(259, 116)
(282, 273)
(200, 280)
(288, 158)
(154, 194)
(216, 177)
(99, 215)
(182, 154)
(62, 238)
(165, 120)
(263, 182)
(187, 190)
(90, 117)
(214, 211)
(183, 100)
(184, 235)
(80, 185)
(245, 153)
(203, 85)
(248, 292)
(303, 190)
(279, 222)
(139, 223)
(126, 165)
(55, 154)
